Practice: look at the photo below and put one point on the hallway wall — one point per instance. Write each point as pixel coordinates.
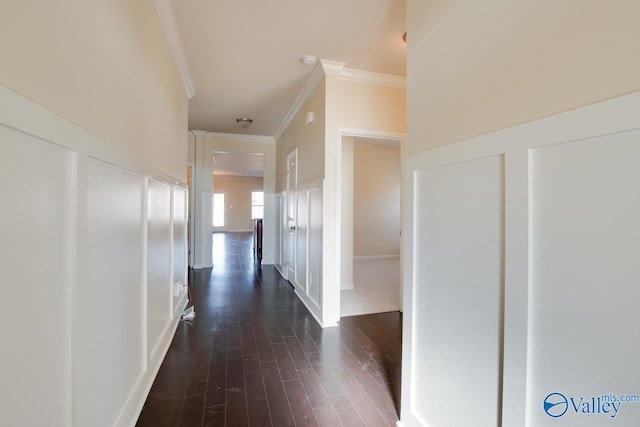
(484, 66)
(91, 248)
(521, 243)
(309, 141)
(93, 121)
(104, 66)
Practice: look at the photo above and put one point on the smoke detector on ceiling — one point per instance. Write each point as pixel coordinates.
(308, 60)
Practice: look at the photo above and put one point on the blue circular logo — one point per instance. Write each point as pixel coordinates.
(555, 405)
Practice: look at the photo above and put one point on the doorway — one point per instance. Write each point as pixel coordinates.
(238, 193)
(371, 224)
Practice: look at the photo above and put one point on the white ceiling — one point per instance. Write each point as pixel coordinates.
(238, 164)
(244, 55)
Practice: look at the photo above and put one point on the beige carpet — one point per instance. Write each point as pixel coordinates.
(376, 287)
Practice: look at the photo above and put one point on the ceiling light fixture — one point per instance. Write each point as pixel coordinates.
(243, 122)
(308, 60)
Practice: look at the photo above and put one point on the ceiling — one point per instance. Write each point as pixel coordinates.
(238, 164)
(244, 55)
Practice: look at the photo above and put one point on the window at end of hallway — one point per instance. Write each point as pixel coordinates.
(257, 204)
(218, 209)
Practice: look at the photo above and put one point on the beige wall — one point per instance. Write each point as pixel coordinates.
(237, 190)
(376, 198)
(366, 106)
(308, 139)
(103, 65)
(474, 67)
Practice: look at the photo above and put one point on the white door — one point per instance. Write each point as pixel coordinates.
(292, 186)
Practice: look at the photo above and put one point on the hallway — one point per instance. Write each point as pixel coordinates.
(254, 356)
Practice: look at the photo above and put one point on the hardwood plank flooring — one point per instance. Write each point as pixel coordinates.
(254, 356)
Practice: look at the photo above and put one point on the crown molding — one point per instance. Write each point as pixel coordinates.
(338, 69)
(235, 137)
(168, 22)
(332, 68)
(370, 77)
(317, 74)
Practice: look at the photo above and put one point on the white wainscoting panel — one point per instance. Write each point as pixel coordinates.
(586, 277)
(277, 260)
(302, 236)
(35, 273)
(179, 249)
(159, 263)
(308, 280)
(284, 235)
(522, 284)
(315, 246)
(459, 285)
(110, 311)
(87, 254)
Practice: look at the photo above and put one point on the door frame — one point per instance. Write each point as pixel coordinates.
(333, 286)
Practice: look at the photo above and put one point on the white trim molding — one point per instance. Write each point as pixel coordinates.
(332, 68)
(313, 81)
(168, 22)
(326, 67)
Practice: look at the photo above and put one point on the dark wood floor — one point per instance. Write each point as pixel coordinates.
(254, 356)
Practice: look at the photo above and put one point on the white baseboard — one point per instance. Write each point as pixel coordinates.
(133, 407)
(201, 266)
(309, 303)
(279, 267)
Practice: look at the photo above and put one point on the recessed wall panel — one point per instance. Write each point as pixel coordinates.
(458, 261)
(302, 235)
(315, 245)
(110, 316)
(585, 344)
(34, 272)
(159, 286)
(179, 242)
